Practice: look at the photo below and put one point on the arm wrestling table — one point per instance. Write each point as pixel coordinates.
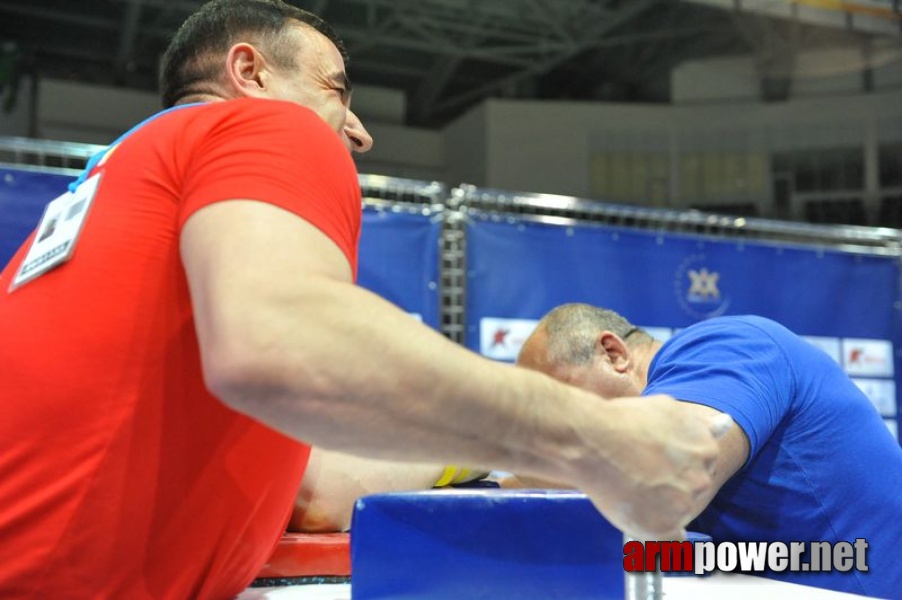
(497, 545)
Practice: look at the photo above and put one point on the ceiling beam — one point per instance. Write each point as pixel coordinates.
(36, 12)
(502, 19)
(364, 40)
(598, 30)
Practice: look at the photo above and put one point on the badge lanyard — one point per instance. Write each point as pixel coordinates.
(63, 218)
(98, 156)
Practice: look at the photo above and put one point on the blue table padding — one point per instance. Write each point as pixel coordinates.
(484, 544)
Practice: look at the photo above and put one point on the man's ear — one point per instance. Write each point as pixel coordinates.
(246, 70)
(615, 349)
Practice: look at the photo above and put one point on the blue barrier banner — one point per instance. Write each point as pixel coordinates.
(399, 251)
(399, 258)
(843, 302)
(23, 196)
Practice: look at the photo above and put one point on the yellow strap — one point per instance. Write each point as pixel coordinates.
(447, 477)
(452, 474)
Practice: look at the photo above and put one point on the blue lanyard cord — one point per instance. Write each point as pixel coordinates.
(97, 157)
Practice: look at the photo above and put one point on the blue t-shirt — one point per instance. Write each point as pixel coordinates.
(822, 465)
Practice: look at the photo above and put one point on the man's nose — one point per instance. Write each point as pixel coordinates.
(361, 140)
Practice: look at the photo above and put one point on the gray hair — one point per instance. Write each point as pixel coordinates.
(572, 330)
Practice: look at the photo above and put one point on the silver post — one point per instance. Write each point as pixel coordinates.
(641, 586)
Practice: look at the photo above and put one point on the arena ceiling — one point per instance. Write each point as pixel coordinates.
(446, 55)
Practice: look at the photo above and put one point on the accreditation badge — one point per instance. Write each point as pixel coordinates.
(57, 232)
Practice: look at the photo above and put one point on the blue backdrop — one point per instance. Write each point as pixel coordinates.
(399, 258)
(519, 269)
(399, 251)
(23, 195)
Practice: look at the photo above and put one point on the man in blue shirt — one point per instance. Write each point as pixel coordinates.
(809, 460)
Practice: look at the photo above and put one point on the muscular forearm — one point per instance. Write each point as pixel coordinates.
(334, 480)
(341, 368)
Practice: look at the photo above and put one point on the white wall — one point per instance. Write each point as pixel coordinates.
(545, 146)
(466, 149)
(378, 104)
(732, 78)
(79, 112)
(400, 151)
(814, 73)
(541, 147)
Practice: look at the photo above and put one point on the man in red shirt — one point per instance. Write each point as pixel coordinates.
(161, 386)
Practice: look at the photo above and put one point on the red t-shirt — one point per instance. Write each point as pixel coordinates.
(121, 476)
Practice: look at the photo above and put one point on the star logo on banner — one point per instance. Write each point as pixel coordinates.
(704, 284)
(500, 337)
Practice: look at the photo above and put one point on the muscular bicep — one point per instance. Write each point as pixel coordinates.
(228, 242)
(253, 268)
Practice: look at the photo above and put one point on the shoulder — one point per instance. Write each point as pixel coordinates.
(735, 365)
(261, 129)
(736, 322)
(245, 116)
(733, 328)
(742, 341)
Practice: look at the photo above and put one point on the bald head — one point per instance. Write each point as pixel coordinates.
(567, 334)
(590, 347)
